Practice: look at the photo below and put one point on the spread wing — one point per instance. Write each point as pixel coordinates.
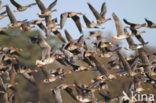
(77, 22)
(95, 12)
(68, 36)
(59, 35)
(103, 10)
(52, 5)
(63, 19)
(86, 20)
(15, 4)
(41, 5)
(118, 24)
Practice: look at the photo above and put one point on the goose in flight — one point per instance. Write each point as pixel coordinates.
(89, 24)
(20, 7)
(100, 17)
(75, 18)
(150, 24)
(119, 28)
(45, 11)
(133, 25)
(12, 18)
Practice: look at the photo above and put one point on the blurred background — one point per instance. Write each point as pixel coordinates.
(133, 10)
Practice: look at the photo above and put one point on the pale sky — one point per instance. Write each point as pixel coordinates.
(133, 10)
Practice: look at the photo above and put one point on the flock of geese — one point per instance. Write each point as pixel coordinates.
(138, 69)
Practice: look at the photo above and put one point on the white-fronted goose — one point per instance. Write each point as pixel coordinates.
(133, 25)
(119, 28)
(100, 17)
(74, 16)
(19, 7)
(150, 24)
(45, 11)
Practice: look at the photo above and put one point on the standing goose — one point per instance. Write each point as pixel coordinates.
(75, 18)
(100, 17)
(45, 11)
(19, 7)
(12, 18)
(150, 24)
(119, 28)
(133, 25)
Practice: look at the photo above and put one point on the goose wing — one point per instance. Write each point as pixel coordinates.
(118, 24)
(68, 36)
(103, 10)
(86, 20)
(52, 5)
(15, 4)
(63, 19)
(95, 12)
(77, 22)
(41, 5)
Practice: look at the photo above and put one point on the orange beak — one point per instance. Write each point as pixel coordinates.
(98, 78)
(114, 37)
(126, 48)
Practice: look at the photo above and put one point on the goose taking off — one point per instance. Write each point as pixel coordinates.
(100, 17)
(45, 11)
(19, 7)
(75, 18)
(150, 24)
(119, 28)
(133, 25)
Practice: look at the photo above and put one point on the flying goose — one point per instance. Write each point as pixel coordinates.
(56, 92)
(133, 25)
(45, 11)
(150, 24)
(89, 24)
(119, 28)
(19, 7)
(138, 36)
(74, 16)
(132, 45)
(12, 18)
(100, 17)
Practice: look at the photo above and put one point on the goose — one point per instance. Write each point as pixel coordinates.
(89, 24)
(45, 11)
(19, 7)
(120, 29)
(2, 15)
(56, 92)
(138, 36)
(14, 22)
(145, 61)
(132, 45)
(100, 17)
(133, 25)
(75, 18)
(150, 24)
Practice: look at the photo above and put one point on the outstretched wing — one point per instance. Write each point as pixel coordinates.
(77, 22)
(15, 4)
(103, 10)
(95, 12)
(63, 19)
(118, 24)
(52, 5)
